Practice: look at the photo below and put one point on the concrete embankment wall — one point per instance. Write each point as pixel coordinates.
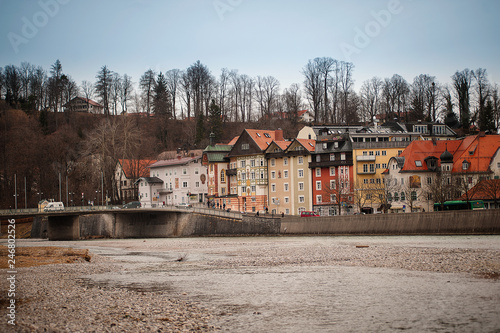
(435, 223)
(149, 224)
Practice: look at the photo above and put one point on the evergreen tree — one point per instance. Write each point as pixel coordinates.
(486, 117)
(215, 120)
(200, 129)
(161, 99)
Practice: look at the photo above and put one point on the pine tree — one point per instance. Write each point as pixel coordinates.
(215, 120)
(161, 99)
(486, 117)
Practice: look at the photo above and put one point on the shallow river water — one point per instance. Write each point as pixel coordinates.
(251, 288)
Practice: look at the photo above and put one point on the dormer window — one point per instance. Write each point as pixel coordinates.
(465, 165)
(267, 135)
(418, 163)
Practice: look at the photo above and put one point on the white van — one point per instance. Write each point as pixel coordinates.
(54, 206)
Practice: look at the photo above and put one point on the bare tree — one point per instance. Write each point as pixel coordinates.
(346, 82)
(126, 89)
(293, 102)
(146, 83)
(173, 78)
(103, 87)
(482, 90)
(370, 94)
(223, 91)
(88, 92)
(462, 83)
(26, 71)
(313, 87)
(116, 87)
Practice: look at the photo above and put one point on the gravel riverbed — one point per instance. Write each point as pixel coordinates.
(69, 297)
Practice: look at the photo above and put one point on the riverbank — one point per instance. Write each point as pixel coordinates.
(174, 285)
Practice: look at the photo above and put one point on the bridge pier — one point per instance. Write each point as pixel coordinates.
(64, 227)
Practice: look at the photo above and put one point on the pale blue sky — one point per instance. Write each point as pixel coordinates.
(436, 37)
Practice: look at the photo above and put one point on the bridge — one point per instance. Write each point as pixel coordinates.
(174, 222)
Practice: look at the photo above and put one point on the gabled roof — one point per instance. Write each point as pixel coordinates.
(135, 168)
(255, 141)
(174, 161)
(150, 180)
(308, 144)
(86, 100)
(488, 189)
(263, 138)
(477, 150)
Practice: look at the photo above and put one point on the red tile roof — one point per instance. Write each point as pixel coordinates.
(488, 189)
(309, 144)
(477, 150)
(135, 168)
(263, 138)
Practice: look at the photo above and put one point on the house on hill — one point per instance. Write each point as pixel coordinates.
(82, 104)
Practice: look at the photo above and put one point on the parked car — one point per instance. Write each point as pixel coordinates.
(54, 206)
(183, 205)
(308, 214)
(132, 204)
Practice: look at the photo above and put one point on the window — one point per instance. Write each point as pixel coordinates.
(273, 174)
(243, 164)
(403, 196)
(333, 198)
(465, 165)
(342, 156)
(400, 152)
(413, 195)
(332, 171)
(318, 172)
(184, 184)
(252, 175)
(253, 188)
(287, 200)
(370, 153)
(197, 184)
(377, 153)
(365, 181)
(395, 181)
(301, 186)
(418, 163)
(402, 181)
(377, 166)
(184, 171)
(372, 181)
(332, 157)
(325, 145)
(243, 176)
(301, 173)
(285, 161)
(301, 160)
(368, 196)
(396, 196)
(273, 162)
(333, 185)
(429, 180)
(384, 165)
(262, 175)
(243, 189)
(301, 199)
(285, 187)
(365, 153)
(196, 171)
(372, 167)
(285, 173)
(378, 181)
(318, 158)
(252, 163)
(365, 168)
(318, 185)
(318, 199)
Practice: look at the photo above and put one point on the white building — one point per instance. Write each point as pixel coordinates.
(174, 181)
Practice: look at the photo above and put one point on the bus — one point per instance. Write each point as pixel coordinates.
(459, 205)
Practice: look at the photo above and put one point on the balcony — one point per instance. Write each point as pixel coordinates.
(364, 158)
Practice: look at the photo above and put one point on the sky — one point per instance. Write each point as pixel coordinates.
(255, 37)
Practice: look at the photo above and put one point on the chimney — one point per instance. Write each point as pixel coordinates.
(278, 135)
